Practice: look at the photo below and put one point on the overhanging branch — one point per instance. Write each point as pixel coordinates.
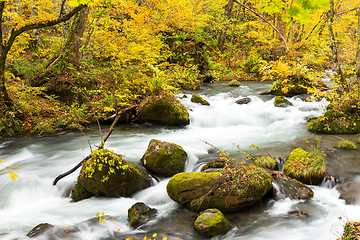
(265, 20)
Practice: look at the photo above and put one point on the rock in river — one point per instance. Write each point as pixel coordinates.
(307, 167)
(164, 159)
(229, 190)
(108, 174)
(164, 110)
(211, 223)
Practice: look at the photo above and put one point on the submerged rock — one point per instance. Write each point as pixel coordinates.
(140, 213)
(163, 158)
(285, 187)
(229, 190)
(211, 223)
(280, 101)
(244, 100)
(164, 110)
(108, 174)
(40, 229)
(306, 167)
(198, 99)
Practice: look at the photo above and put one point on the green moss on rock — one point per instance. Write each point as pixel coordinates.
(265, 162)
(108, 174)
(163, 158)
(80, 193)
(229, 190)
(164, 110)
(234, 83)
(307, 167)
(280, 101)
(211, 223)
(198, 99)
(343, 120)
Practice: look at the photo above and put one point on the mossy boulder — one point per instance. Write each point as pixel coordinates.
(296, 84)
(306, 167)
(285, 187)
(280, 101)
(164, 111)
(140, 213)
(336, 122)
(163, 158)
(108, 174)
(265, 162)
(211, 223)
(198, 99)
(351, 231)
(228, 190)
(234, 83)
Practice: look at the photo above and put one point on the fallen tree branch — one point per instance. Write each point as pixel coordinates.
(111, 129)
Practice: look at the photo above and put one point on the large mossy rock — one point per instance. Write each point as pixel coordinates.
(108, 174)
(280, 101)
(196, 98)
(140, 213)
(164, 159)
(295, 85)
(336, 122)
(229, 190)
(285, 187)
(306, 167)
(164, 110)
(211, 223)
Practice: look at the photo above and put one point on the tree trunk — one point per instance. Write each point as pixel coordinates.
(331, 15)
(72, 46)
(222, 37)
(4, 96)
(358, 48)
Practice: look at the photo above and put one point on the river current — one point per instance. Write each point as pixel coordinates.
(32, 199)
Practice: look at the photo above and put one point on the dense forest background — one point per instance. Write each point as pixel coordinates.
(65, 64)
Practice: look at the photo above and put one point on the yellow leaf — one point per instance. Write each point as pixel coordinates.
(154, 235)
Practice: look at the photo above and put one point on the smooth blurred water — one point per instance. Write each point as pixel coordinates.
(32, 199)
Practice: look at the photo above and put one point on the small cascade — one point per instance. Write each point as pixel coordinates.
(330, 182)
(279, 164)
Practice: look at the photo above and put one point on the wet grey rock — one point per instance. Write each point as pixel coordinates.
(244, 100)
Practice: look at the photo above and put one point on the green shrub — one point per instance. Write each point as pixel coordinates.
(347, 145)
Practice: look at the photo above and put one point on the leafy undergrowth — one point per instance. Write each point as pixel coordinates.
(342, 114)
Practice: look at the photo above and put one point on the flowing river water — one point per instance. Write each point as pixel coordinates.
(32, 199)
